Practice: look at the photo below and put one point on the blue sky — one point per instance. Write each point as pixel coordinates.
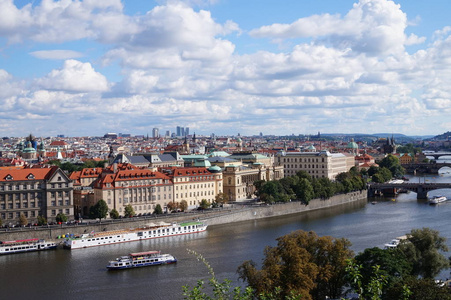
(225, 66)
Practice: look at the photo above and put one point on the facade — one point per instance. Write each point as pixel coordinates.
(194, 184)
(150, 160)
(317, 164)
(35, 192)
(143, 189)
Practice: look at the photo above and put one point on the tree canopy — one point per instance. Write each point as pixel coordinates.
(129, 211)
(302, 263)
(99, 210)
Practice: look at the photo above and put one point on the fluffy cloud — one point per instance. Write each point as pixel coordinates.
(174, 65)
(75, 76)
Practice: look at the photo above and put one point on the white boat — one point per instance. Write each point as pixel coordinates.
(150, 231)
(141, 259)
(437, 199)
(395, 242)
(28, 245)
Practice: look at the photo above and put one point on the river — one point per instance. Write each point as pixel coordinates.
(81, 274)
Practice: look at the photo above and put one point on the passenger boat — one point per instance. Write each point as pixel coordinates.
(395, 242)
(149, 231)
(28, 245)
(437, 199)
(141, 259)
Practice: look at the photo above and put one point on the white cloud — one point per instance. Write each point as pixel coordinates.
(56, 54)
(75, 76)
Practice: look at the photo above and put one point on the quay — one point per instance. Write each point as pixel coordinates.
(230, 214)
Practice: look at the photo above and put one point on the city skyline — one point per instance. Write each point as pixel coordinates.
(84, 68)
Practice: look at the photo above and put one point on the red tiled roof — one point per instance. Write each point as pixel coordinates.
(23, 174)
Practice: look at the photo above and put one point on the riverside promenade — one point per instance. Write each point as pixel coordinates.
(232, 213)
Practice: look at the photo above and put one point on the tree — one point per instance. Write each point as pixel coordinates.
(129, 211)
(183, 205)
(221, 198)
(41, 220)
(204, 204)
(99, 210)
(418, 289)
(158, 210)
(302, 264)
(221, 291)
(114, 214)
(61, 218)
(304, 190)
(392, 163)
(23, 221)
(172, 206)
(423, 249)
(392, 263)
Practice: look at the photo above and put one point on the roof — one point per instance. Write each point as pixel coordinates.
(26, 174)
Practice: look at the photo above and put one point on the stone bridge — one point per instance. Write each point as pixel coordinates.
(425, 168)
(437, 155)
(421, 189)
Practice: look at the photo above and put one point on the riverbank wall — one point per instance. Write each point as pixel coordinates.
(231, 214)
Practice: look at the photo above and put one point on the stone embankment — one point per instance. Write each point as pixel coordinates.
(231, 214)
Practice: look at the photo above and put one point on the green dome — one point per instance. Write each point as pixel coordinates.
(352, 145)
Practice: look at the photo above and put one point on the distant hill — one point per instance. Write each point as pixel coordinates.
(441, 137)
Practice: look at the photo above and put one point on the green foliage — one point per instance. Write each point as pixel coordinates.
(158, 210)
(42, 220)
(392, 264)
(301, 264)
(70, 167)
(114, 214)
(373, 288)
(392, 163)
(61, 218)
(304, 191)
(220, 290)
(413, 288)
(129, 211)
(423, 249)
(204, 204)
(23, 220)
(99, 210)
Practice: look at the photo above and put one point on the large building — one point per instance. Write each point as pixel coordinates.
(142, 188)
(317, 164)
(34, 192)
(195, 184)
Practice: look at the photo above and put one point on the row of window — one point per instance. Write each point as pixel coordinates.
(305, 166)
(304, 160)
(16, 215)
(30, 186)
(20, 205)
(19, 196)
(198, 186)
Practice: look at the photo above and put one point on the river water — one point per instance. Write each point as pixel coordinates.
(81, 274)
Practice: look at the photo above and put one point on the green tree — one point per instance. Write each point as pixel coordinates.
(23, 221)
(418, 289)
(114, 214)
(204, 204)
(220, 290)
(42, 220)
(129, 211)
(304, 191)
(373, 289)
(99, 210)
(423, 249)
(301, 264)
(392, 163)
(61, 218)
(183, 205)
(158, 210)
(392, 264)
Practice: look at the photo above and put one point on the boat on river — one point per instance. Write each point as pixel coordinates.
(27, 245)
(437, 199)
(141, 259)
(394, 242)
(149, 231)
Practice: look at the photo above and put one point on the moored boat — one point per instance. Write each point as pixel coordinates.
(27, 245)
(437, 199)
(141, 259)
(149, 231)
(394, 242)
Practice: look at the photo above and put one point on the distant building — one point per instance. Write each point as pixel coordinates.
(110, 135)
(155, 133)
(317, 164)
